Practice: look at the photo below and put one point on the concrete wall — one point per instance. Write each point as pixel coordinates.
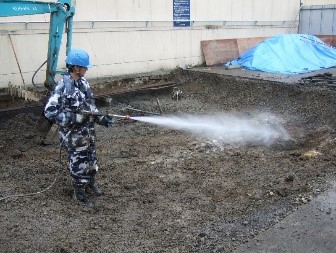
(137, 36)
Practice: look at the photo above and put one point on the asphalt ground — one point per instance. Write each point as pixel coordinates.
(312, 228)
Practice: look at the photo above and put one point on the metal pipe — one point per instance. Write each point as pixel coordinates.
(17, 61)
(137, 110)
(105, 114)
(159, 105)
(157, 21)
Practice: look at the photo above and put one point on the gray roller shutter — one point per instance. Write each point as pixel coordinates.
(318, 19)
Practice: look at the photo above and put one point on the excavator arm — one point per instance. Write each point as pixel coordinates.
(61, 19)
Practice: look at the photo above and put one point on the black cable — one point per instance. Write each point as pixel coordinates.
(36, 73)
(51, 185)
(55, 83)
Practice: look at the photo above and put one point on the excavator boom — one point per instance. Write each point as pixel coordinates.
(61, 19)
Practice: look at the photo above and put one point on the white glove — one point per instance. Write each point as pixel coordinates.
(79, 118)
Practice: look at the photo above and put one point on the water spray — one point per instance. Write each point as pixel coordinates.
(224, 128)
(220, 128)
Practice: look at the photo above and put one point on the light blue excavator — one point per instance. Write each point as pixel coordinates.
(61, 20)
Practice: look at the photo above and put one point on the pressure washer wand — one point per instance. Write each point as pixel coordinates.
(106, 114)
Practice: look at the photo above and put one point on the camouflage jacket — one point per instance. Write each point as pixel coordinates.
(69, 98)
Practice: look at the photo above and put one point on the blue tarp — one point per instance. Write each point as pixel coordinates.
(288, 54)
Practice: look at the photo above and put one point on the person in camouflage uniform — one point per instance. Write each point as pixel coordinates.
(70, 98)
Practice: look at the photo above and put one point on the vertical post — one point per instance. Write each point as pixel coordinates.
(17, 61)
(69, 34)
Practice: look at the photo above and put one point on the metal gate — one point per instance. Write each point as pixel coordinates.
(318, 19)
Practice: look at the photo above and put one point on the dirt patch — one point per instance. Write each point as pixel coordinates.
(168, 190)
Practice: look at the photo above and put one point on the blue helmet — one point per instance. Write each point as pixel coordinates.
(78, 57)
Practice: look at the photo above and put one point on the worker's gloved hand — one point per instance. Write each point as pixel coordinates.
(79, 118)
(107, 121)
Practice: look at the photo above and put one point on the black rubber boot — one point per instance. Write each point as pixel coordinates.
(80, 195)
(94, 188)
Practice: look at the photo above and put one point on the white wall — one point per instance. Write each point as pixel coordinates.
(317, 2)
(137, 36)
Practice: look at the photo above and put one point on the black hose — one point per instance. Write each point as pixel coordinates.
(36, 73)
(45, 189)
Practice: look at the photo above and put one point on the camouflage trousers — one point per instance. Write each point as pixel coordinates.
(82, 165)
(81, 150)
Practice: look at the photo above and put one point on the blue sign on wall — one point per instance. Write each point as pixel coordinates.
(181, 12)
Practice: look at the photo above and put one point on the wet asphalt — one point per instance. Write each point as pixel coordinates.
(311, 228)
